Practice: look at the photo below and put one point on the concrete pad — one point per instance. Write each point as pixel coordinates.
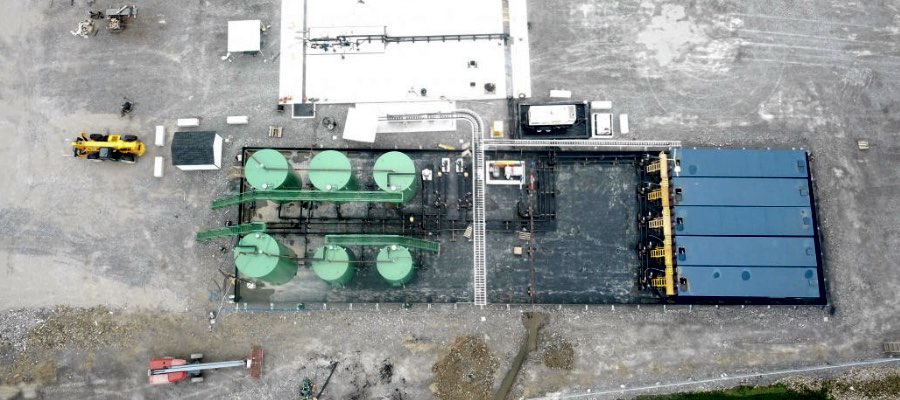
(361, 125)
(519, 49)
(316, 64)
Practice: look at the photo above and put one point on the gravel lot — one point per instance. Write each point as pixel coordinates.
(102, 272)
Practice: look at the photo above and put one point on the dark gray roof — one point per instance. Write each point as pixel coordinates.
(304, 110)
(193, 148)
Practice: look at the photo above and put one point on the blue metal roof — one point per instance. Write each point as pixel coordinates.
(738, 251)
(743, 163)
(743, 221)
(744, 224)
(781, 192)
(740, 281)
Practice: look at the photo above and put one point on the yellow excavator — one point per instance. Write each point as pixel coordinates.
(97, 147)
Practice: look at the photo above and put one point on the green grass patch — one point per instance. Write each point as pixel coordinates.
(774, 392)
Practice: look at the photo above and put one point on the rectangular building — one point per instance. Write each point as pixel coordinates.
(744, 192)
(736, 163)
(743, 221)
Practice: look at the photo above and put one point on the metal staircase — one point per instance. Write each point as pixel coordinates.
(228, 231)
(479, 283)
(656, 223)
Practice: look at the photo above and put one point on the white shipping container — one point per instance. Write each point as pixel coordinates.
(158, 167)
(237, 120)
(601, 105)
(623, 124)
(188, 122)
(160, 136)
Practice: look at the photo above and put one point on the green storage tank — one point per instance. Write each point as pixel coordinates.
(269, 170)
(396, 172)
(333, 264)
(331, 171)
(261, 257)
(395, 264)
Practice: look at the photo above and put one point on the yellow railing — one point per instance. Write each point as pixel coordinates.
(662, 194)
(667, 224)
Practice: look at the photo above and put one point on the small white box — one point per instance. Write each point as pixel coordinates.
(158, 167)
(188, 122)
(561, 94)
(160, 136)
(623, 124)
(601, 105)
(237, 120)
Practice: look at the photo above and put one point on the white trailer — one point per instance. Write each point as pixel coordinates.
(555, 115)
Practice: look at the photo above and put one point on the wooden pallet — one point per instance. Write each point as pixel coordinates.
(256, 362)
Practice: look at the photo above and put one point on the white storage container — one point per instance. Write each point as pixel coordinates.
(160, 136)
(561, 94)
(158, 167)
(237, 120)
(188, 122)
(601, 105)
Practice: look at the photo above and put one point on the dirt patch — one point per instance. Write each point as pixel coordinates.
(40, 337)
(359, 381)
(533, 323)
(386, 372)
(559, 353)
(84, 328)
(45, 371)
(417, 344)
(65, 328)
(888, 386)
(467, 372)
(29, 370)
(88, 363)
(14, 326)
(871, 383)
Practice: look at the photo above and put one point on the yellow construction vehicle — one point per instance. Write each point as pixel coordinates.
(97, 147)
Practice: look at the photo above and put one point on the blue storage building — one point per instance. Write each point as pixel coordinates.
(749, 282)
(744, 226)
(724, 163)
(741, 192)
(759, 251)
(743, 221)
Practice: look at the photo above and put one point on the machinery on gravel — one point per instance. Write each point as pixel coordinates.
(98, 147)
(168, 370)
(117, 18)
